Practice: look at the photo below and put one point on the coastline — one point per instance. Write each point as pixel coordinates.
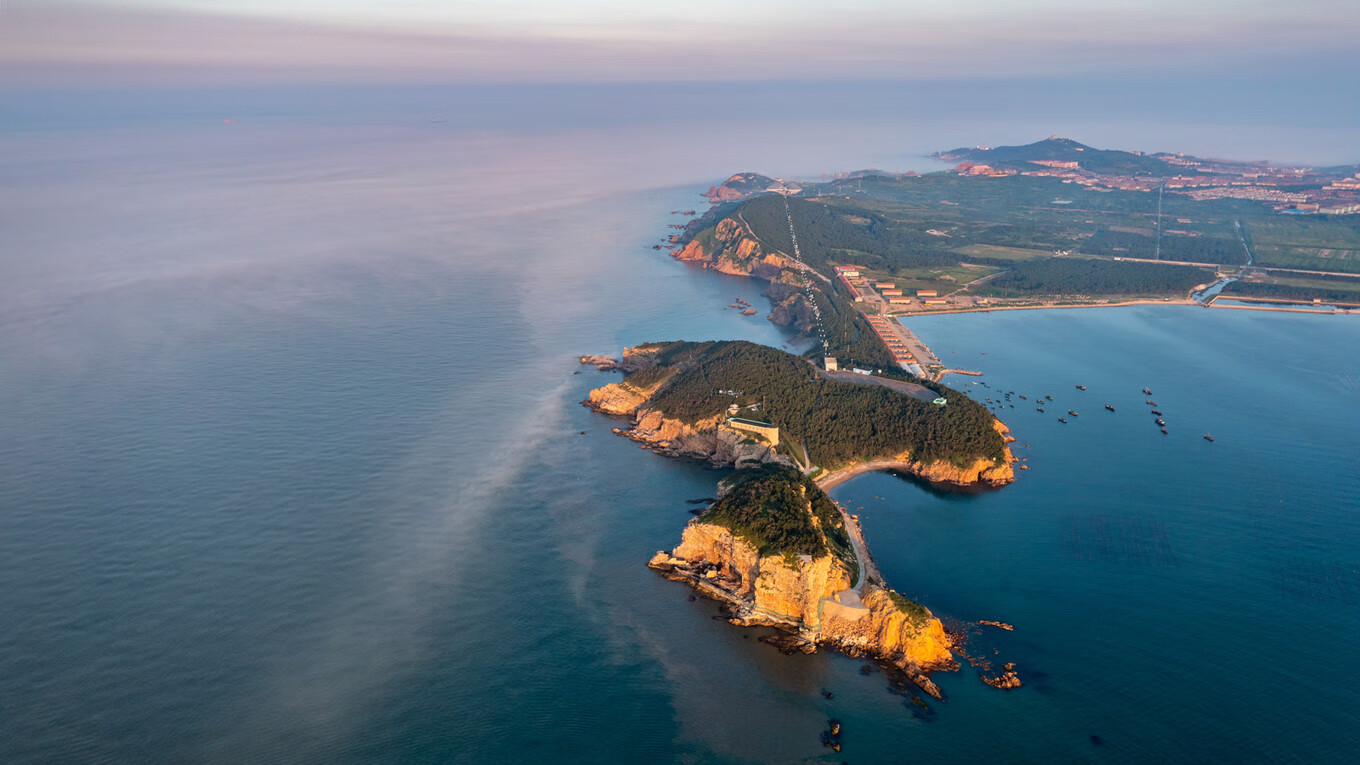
(835, 478)
(990, 309)
(1336, 310)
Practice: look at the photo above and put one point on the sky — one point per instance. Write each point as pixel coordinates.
(183, 42)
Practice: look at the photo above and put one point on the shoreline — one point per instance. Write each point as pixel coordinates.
(836, 478)
(990, 309)
(831, 480)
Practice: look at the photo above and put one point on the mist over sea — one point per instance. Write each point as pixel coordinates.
(292, 464)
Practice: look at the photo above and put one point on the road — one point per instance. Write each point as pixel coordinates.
(861, 551)
(901, 386)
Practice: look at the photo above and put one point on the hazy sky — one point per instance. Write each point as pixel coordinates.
(184, 41)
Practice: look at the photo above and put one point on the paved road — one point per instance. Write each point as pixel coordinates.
(861, 552)
(911, 389)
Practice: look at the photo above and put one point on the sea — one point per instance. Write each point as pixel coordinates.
(293, 466)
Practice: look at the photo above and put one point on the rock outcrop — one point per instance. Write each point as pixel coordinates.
(730, 249)
(811, 597)
(981, 472)
(1007, 680)
(791, 307)
(634, 359)
(669, 437)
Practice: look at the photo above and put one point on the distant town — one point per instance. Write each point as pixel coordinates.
(1055, 223)
(1297, 190)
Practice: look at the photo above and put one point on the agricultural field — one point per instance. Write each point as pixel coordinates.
(997, 252)
(1316, 244)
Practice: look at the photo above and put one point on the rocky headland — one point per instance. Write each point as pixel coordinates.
(808, 591)
(730, 248)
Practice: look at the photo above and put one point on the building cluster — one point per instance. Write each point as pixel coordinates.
(968, 168)
(763, 429)
(846, 273)
(1286, 189)
(883, 328)
(858, 286)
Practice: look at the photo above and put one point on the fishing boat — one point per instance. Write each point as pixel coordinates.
(1151, 402)
(1160, 421)
(1050, 398)
(1208, 437)
(1081, 387)
(1157, 412)
(1062, 420)
(1072, 412)
(1147, 392)
(1163, 431)
(1038, 409)
(1107, 406)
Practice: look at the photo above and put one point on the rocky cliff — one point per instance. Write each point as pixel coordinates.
(790, 306)
(703, 440)
(811, 597)
(730, 248)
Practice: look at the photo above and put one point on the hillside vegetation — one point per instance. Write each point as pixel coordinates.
(839, 422)
(1095, 277)
(781, 512)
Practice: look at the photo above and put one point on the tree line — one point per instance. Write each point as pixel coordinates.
(1078, 276)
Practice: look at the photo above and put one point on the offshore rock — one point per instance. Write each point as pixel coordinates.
(1006, 680)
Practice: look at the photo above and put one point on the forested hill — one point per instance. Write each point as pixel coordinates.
(839, 422)
(780, 511)
(1058, 149)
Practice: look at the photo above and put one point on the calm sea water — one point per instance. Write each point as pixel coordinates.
(292, 469)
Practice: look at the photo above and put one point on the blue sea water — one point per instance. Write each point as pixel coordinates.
(292, 468)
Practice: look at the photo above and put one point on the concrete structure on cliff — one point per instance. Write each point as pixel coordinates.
(763, 429)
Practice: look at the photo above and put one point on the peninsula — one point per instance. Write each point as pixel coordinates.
(1051, 224)
(774, 547)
